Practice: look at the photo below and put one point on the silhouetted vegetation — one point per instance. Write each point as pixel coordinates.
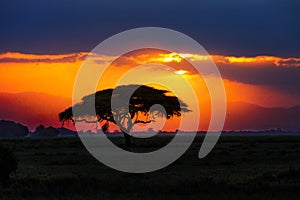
(12, 129)
(126, 116)
(8, 165)
(237, 168)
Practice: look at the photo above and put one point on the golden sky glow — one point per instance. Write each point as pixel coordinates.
(55, 74)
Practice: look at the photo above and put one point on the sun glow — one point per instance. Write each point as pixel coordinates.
(180, 72)
(171, 57)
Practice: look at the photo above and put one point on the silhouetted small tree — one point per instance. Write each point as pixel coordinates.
(126, 116)
(8, 165)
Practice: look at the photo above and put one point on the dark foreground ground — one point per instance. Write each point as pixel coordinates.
(238, 168)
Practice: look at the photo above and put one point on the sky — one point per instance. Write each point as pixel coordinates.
(255, 45)
(229, 27)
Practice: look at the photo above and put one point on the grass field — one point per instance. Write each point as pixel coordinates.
(244, 167)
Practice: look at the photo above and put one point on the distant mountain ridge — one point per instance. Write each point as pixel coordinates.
(13, 129)
(246, 116)
(33, 109)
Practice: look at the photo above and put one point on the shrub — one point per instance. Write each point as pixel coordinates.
(8, 165)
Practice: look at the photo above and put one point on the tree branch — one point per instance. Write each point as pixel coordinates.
(86, 121)
(142, 122)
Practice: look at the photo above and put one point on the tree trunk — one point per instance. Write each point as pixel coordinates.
(127, 138)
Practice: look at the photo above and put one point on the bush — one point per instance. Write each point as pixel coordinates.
(8, 165)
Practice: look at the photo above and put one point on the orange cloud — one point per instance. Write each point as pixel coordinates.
(14, 57)
(257, 60)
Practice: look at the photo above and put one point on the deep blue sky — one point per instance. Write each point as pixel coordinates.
(228, 27)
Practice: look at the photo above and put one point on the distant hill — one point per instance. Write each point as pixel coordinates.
(245, 116)
(50, 131)
(42, 131)
(64, 132)
(32, 109)
(12, 129)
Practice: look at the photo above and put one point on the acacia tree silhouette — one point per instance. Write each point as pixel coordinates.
(126, 116)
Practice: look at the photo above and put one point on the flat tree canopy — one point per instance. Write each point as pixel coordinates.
(127, 111)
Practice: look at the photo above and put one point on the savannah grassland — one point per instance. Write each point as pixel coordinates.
(257, 167)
